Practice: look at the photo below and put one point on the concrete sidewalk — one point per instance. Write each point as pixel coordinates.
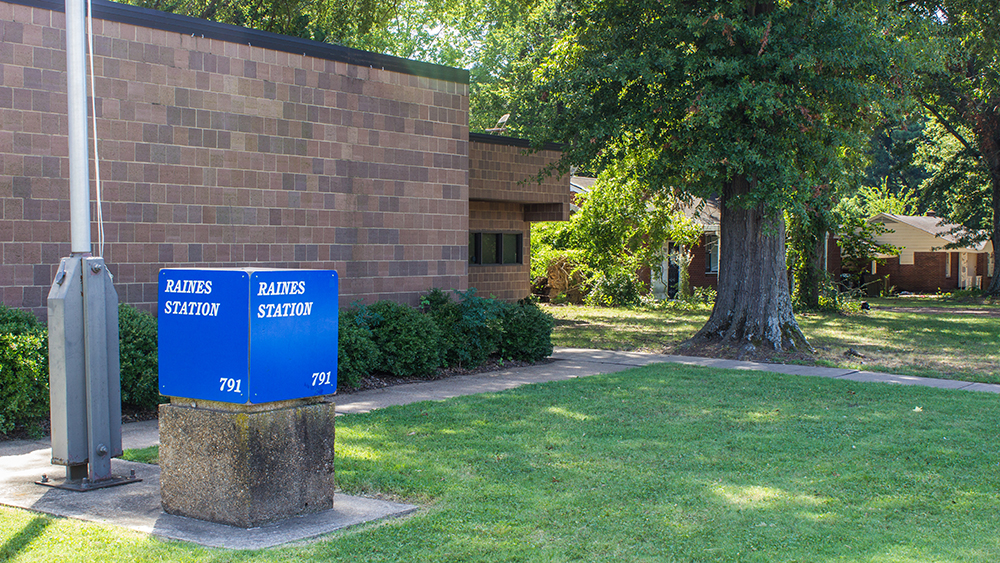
(137, 506)
(568, 363)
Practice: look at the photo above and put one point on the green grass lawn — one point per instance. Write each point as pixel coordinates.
(662, 463)
(948, 345)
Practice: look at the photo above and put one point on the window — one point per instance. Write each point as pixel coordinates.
(947, 264)
(495, 248)
(711, 253)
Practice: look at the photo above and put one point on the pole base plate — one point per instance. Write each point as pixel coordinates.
(84, 485)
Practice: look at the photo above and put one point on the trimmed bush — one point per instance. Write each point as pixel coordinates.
(470, 329)
(527, 331)
(16, 321)
(409, 341)
(24, 372)
(138, 357)
(357, 354)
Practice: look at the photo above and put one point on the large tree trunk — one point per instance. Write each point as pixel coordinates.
(753, 309)
(988, 138)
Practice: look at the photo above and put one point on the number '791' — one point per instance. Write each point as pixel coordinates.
(322, 378)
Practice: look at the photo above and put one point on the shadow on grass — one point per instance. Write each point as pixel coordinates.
(22, 540)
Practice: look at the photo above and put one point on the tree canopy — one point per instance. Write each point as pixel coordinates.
(764, 104)
(961, 92)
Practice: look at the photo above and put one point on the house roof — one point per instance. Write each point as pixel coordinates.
(937, 231)
(705, 212)
(581, 184)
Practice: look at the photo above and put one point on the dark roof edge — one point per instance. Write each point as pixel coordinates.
(165, 21)
(511, 141)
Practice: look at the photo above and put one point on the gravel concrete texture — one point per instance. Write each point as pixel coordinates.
(246, 465)
(136, 506)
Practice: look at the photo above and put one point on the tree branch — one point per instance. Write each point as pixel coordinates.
(949, 127)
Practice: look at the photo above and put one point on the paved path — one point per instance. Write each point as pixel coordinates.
(568, 363)
(137, 506)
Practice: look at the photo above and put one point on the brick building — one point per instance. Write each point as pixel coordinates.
(227, 147)
(923, 264)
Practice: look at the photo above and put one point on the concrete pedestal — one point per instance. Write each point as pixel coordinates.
(246, 465)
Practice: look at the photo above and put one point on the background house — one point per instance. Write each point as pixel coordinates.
(923, 264)
(704, 268)
(223, 146)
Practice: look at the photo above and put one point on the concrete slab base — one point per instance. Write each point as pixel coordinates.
(137, 507)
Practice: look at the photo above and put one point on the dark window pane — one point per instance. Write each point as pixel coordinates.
(711, 253)
(510, 249)
(491, 248)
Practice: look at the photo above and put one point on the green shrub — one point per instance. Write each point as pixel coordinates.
(138, 358)
(620, 289)
(527, 332)
(357, 354)
(470, 329)
(705, 295)
(24, 373)
(16, 321)
(409, 341)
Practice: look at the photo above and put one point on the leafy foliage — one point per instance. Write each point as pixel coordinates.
(357, 353)
(623, 221)
(353, 24)
(962, 95)
(408, 340)
(16, 321)
(759, 102)
(471, 329)
(137, 334)
(24, 377)
(617, 289)
(527, 332)
(858, 247)
(685, 234)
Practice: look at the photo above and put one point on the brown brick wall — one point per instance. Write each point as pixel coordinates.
(218, 154)
(699, 277)
(925, 275)
(505, 197)
(504, 281)
(506, 172)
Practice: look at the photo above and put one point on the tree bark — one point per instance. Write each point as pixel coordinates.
(988, 138)
(753, 309)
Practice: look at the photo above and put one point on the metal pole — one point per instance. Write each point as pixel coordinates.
(76, 98)
(84, 386)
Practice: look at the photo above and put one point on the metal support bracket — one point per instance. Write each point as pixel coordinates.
(84, 376)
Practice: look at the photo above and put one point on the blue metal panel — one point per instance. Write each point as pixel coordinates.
(248, 336)
(293, 334)
(204, 334)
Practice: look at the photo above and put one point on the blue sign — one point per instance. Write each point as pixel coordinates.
(247, 336)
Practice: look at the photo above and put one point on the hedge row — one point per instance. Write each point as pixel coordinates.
(383, 337)
(24, 360)
(391, 338)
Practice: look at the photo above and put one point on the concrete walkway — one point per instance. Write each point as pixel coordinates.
(137, 506)
(568, 363)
